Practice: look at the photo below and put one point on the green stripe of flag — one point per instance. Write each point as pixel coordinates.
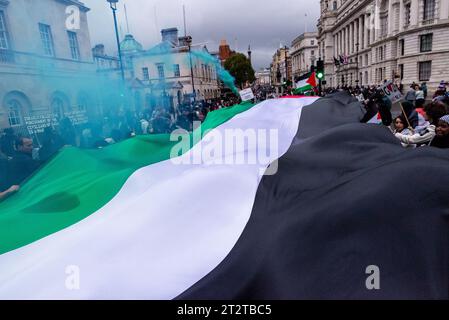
(77, 183)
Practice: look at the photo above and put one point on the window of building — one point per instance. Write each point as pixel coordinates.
(83, 102)
(3, 32)
(146, 74)
(425, 70)
(57, 107)
(334, 5)
(176, 70)
(401, 71)
(160, 70)
(396, 16)
(429, 10)
(74, 45)
(369, 35)
(426, 42)
(401, 47)
(312, 52)
(384, 26)
(312, 42)
(14, 113)
(47, 39)
(407, 10)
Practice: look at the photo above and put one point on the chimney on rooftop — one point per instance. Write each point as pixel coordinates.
(170, 35)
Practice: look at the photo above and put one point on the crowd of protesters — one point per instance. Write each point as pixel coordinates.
(418, 124)
(20, 155)
(422, 121)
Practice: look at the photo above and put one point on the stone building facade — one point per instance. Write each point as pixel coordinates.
(46, 64)
(281, 69)
(404, 40)
(304, 52)
(164, 72)
(263, 77)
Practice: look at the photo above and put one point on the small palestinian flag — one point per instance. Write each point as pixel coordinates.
(306, 84)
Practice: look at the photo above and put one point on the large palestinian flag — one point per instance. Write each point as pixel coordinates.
(135, 224)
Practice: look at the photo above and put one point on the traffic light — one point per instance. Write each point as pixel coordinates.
(320, 69)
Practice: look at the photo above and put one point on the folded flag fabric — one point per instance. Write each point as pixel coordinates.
(347, 200)
(134, 223)
(345, 197)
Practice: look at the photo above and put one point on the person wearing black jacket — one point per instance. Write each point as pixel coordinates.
(378, 103)
(22, 164)
(4, 181)
(7, 142)
(51, 144)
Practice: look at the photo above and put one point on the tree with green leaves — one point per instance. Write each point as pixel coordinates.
(240, 68)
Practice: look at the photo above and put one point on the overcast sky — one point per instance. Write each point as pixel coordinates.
(261, 23)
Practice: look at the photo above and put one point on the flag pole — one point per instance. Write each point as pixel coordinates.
(405, 115)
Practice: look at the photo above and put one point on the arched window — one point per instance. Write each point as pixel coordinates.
(16, 105)
(83, 102)
(14, 112)
(57, 107)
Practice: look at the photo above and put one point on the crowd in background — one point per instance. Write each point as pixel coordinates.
(421, 121)
(21, 155)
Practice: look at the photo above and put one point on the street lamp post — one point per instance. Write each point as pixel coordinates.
(357, 69)
(189, 44)
(113, 5)
(286, 68)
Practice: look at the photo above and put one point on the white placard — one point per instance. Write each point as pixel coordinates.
(392, 92)
(37, 123)
(247, 94)
(77, 117)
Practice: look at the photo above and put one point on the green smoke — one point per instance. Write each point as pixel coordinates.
(222, 73)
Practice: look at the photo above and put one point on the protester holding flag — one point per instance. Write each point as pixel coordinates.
(8, 192)
(432, 113)
(5, 188)
(400, 125)
(22, 164)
